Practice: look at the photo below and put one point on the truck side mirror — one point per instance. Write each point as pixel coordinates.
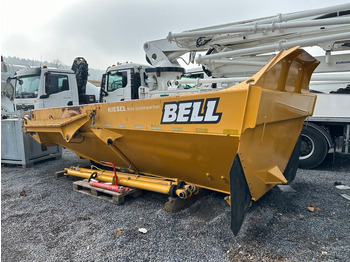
(124, 79)
(20, 81)
(103, 91)
(44, 96)
(47, 85)
(103, 82)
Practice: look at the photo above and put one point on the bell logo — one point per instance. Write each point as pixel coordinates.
(190, 112)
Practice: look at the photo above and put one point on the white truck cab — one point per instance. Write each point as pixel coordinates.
(42, 87)
(137, 81)
(121, 82)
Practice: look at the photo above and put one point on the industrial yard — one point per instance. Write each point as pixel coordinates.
(230, 142)
(43, 219)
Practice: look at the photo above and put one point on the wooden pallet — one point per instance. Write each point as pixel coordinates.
(84, 187)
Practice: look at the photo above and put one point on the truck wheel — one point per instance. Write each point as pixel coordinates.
(313, 148)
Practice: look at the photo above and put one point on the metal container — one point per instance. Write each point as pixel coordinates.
(19, 148)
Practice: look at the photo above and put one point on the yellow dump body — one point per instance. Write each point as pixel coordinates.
(196, 137)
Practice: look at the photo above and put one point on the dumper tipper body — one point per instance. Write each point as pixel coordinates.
(237, 141)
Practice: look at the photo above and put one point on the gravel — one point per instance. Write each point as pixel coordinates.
(43, 219)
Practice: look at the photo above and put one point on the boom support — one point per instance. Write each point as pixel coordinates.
(247, 42)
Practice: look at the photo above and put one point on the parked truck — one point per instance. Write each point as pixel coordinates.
(328, 129)
(43, 87)
(33, 88)
(122, 81)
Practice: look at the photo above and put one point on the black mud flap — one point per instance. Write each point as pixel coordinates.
(240, 195)
(292, 166)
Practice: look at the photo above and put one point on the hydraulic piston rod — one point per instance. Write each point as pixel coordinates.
(171, 187)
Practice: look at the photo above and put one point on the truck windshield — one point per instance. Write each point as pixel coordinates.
(27, 86)
(116, 81)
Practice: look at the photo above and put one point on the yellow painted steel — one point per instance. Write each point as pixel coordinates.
(259, 119)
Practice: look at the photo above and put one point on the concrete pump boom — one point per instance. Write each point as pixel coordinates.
(233, 43)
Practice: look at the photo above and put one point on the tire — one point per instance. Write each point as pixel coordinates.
(313, 148)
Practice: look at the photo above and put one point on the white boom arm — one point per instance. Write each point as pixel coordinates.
(243, 43)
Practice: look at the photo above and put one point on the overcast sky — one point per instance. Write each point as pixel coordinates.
(110, 31)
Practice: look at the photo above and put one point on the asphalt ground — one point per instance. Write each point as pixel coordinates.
(43, 219)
